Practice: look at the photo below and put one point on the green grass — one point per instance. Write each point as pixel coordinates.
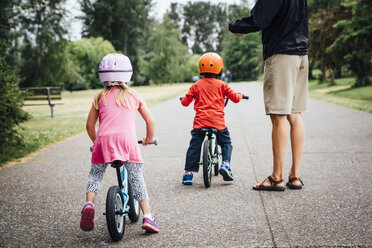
(343, 94)
(69, 118)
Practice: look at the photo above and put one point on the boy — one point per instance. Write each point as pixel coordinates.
(209, 94)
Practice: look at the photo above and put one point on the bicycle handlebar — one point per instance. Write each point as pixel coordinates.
(244, 97)
(154, 142)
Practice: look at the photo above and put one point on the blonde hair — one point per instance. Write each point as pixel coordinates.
(121, 97)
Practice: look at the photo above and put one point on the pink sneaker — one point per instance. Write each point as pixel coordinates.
(150, 225)
(87, 217)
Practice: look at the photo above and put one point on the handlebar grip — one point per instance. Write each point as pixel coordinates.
(154, 142)
(245, 97)
(181, 98)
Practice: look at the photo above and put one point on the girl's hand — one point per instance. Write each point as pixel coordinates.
(146, 141)
(238, 34)
(150, 124)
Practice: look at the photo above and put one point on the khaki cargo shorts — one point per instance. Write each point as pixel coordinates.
(285, 84)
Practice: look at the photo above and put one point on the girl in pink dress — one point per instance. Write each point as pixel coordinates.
(115, 139)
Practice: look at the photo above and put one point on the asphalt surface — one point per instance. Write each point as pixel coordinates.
(41, 197)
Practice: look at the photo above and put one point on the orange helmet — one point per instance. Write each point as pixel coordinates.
(210, 63)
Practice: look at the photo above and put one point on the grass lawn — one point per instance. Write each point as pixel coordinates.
(343, 94)
(69, 118)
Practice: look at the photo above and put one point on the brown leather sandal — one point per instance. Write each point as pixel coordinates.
(273, 185)
(292, 186)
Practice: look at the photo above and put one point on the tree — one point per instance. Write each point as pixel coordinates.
(355, 38)
(204, 26)
(11, 100)
(323, 33)
(85, 56)
(242, 55)
(5, 26)
(175, 14)
(314, 6)
(123, 22)
(167, 58)
(42, 29)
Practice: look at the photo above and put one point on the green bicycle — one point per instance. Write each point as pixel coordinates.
(211, 152)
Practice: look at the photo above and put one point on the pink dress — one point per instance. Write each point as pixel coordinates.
(116, 135)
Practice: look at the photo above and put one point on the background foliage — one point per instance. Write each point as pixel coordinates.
(10, 107)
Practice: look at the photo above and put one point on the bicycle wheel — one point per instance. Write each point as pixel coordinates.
(207, 164)
(217, 156)
(114, 213)
(134, 207)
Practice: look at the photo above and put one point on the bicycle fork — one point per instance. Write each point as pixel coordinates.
(212, 146)
(123, 177)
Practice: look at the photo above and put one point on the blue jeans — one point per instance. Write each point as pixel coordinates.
(197, 138)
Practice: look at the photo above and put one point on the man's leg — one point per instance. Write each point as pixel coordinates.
(297, 144)
(279, 138)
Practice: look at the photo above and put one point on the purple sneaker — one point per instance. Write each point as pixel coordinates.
(87, 217)
(150, 225)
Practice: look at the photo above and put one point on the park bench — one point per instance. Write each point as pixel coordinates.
(41, 94)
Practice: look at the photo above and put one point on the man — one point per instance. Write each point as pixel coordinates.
(284, 26)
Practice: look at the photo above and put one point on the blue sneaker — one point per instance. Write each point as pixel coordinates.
(187, 178)
(225, 172)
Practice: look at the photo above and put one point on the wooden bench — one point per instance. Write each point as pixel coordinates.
(41, 94)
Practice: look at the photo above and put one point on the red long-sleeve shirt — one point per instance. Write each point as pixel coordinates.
(209, 95)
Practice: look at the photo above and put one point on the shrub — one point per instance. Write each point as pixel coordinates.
(11, 112)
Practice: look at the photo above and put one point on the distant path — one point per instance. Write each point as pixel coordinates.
(41, 199)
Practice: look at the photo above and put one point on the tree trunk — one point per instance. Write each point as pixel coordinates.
(324, 73)
(333, 77)
(338, 72)
(311, 66)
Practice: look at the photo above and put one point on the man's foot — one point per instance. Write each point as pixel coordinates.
(269, 184)
(225, 171)
(294, 183)
(150, 225)
(187, 178)
(87, 217)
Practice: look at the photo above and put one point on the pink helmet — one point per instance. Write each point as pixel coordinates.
(115, 67)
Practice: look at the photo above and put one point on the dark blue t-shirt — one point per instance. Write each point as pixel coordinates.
(284, 25)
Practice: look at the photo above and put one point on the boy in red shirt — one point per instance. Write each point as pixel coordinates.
(209, 94)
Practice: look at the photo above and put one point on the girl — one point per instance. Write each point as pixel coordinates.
(116, 106)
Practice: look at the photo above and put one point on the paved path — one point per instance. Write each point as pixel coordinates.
(40, 199)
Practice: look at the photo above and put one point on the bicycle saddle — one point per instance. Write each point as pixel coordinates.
(116, 164)
(209, 129)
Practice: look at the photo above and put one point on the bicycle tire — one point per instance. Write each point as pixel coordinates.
(207, 164)
(217, 155)
(134, 207)
(114, 213)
